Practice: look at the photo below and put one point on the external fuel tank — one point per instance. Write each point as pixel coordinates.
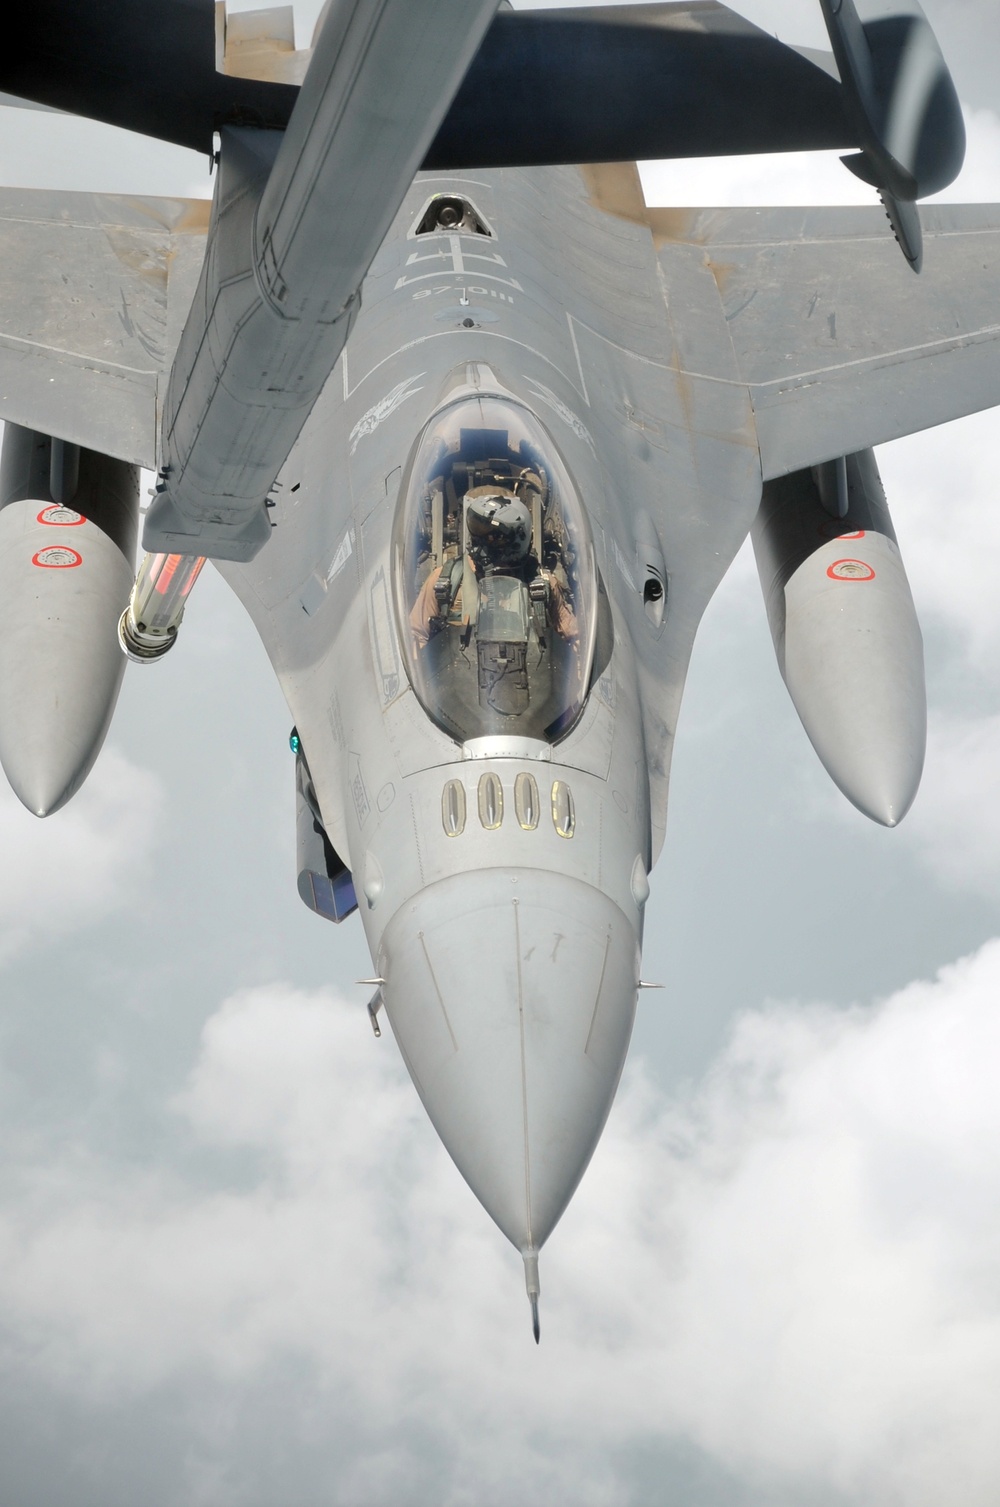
(68, 522)
(845, 629)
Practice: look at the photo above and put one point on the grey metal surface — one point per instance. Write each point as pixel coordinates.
(511, 993)
(838, 348)
(298, 223)
(846, 634)
(558, 306)
(93, 292)
(572, 317)
(841, 347)
(65, 574)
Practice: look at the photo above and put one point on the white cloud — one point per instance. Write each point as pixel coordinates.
(955, 823)
(943, 490)
(979, 180)
(794, 1269)
(67, 152)
(60, 874)
(838, 1239)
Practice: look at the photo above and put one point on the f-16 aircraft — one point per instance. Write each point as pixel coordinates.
(474, 435)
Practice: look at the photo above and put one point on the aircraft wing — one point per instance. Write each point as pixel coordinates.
(840, 346)
(94, 291)
(624, 82)
(598, 84)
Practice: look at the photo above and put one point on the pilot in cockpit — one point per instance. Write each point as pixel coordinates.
(499, 539)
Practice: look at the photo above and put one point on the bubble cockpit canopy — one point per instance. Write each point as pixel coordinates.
(495, 575)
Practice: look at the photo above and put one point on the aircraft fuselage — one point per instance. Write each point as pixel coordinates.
(488, 736)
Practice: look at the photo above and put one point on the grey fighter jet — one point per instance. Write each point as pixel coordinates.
(474, 435)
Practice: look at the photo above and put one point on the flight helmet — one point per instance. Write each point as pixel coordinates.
(499, 527)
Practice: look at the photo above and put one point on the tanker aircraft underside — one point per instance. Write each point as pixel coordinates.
(474, 435)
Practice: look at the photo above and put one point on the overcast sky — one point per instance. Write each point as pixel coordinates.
(236, 1267)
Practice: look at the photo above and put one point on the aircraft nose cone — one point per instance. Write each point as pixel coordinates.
(512, 995)
(61, 592)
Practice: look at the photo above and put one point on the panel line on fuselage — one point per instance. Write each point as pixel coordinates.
(437, 988)
(795, 380)
(528, 1223)
(349, 391)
